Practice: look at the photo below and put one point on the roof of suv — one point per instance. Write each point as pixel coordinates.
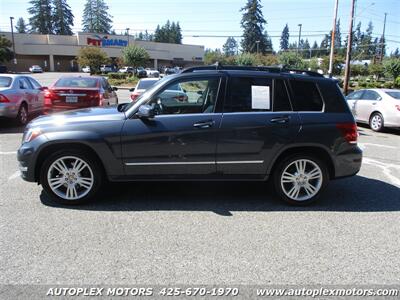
(249, 70)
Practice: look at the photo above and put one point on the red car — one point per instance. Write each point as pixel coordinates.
(74, 92)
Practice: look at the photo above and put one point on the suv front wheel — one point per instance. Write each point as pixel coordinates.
(299, 179)
(71, 176)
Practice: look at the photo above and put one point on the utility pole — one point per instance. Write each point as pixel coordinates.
(298, 44)
(348, 53)
(330, 71)
(383, 38)
(258, 46)
(13, 42)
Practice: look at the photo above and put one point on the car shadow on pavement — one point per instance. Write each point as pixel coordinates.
(356, 194)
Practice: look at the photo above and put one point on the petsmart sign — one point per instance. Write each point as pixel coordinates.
(106, 41)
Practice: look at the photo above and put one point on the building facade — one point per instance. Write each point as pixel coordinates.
(58, 52)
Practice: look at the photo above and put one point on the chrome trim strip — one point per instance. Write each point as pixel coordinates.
(240, 162)
(171, 163)
(195, 163)
(77, 95)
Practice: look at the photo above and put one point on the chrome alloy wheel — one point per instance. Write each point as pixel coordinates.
(23, 115)
(70, 178)
(301, 180)
(376, 122)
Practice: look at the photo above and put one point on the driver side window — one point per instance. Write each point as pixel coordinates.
(192, 96)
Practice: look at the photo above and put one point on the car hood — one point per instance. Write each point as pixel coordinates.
(85, 115)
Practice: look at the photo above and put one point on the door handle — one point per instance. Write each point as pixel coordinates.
(205, 124)
(374, 103)
(280, 120)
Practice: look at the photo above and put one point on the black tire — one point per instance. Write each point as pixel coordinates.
(23, 115)
(376, 122)
(286, 162)
(95, 166)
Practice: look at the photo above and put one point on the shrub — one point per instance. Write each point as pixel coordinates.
(397, 82)
(117, 75)
(245, 59)
(358, 70)
(376, 70)
(291, 60)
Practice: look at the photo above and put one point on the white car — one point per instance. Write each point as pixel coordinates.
(129, 70)
(174, 94)
(86, 69)
(379, 108)
(36, 69)
(152, 73)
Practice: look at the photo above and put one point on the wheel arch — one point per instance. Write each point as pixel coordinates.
(375, 112)
(311, 150)
(51, 148)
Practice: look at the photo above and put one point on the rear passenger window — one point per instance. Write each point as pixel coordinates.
(249, 94)
(281, 97)
(306, 96)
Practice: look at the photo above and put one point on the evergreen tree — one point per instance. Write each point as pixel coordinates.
(63, 18)
(338, 36)
(230, 47)
(41, 16)
(253, 27)
(314, 50)
(21, 26)
(325, 45)
(268, 43)
(169, 33)
(306, 49)
(95, 17)
(395, 53)
(285, 38)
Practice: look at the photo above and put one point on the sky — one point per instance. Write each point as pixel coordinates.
(210, 22)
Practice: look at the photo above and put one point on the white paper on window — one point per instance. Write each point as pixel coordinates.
(260, 98)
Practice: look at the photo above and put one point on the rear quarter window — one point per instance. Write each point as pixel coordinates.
(333, 97)
(305, 96)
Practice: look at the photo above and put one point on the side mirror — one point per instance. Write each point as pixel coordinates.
(43, 88)
(379, 98)
(132, 89)
(121, 107)
(146, 111)
(114, 88)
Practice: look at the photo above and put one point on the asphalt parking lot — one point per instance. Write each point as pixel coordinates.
(205, 233)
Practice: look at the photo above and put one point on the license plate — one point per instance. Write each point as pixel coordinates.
(71, 99)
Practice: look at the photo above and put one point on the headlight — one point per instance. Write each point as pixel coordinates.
(31, 134)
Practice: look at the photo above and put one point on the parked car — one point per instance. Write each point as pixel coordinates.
(152, 73)
(174, 93)
(379, 108)
(86, 69)
(36, 69)
(105, 69)
(141, 72)
(169, 71)
(20, 97)
(73, 92)
(143, 85)
(129, 70)
(239, 123)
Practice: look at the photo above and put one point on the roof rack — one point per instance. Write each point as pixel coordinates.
(280, 69)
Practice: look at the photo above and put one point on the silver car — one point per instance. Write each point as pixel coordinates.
(379, 108)
(20, 96)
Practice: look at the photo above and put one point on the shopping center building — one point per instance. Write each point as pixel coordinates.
(58, 52)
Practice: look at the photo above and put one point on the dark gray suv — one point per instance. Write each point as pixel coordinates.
(234, 123)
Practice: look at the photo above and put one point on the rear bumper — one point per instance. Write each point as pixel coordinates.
(348, 163)
(8, 110)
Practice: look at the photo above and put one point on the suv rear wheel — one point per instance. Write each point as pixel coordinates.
(300, 179)
(71, 177)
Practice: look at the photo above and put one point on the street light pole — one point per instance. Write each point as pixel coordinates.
(348, 53)
(298, 44)
(13, 41)
(330, 71)
(127, 31)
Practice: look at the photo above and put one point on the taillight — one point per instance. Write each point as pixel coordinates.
(3, 99)
(134, 96)
(349, 132)
(398, 107)
(48, 97)
(100, 96)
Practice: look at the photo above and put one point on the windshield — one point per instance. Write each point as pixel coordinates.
(145, 84)
(83, 82)
(5, 81)
(394, 94)
(139, 101)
